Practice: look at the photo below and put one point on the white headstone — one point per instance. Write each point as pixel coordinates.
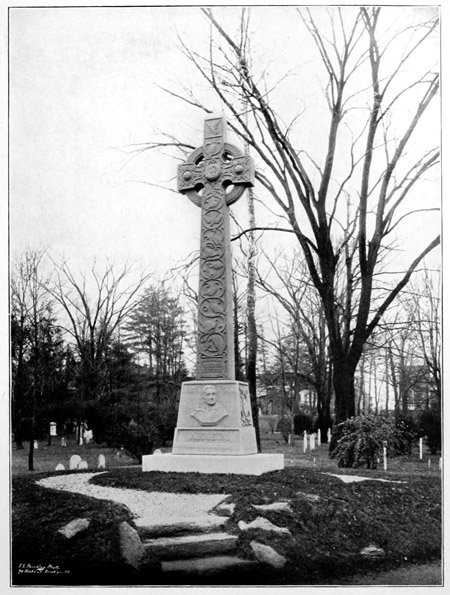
(52, 428)
(88, 436)
(312, 444)
(74, 460)
(35, 445)
(82, 465)
(384, 458)
(158, 451)
(305, 441)
(63, 442)
(101, 461)
(60, 467)
(319, 438)
(329, 435)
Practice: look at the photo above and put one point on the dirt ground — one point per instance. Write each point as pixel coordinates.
(412, 574)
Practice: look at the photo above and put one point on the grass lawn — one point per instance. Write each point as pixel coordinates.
(332, 520)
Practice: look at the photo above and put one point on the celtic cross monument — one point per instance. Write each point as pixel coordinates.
(215, 432)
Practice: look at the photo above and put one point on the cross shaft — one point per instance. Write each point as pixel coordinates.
(214, 177)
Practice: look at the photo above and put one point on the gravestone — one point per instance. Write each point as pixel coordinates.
(74, 460)
(215, 432)
(101, 461)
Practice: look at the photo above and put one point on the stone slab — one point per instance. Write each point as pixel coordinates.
(131, 546)
(74, 527)
(173, 525)
(274, 507)
(255, 464)
(190, 546)
(264, 525)
(267, 555)
(203, 565)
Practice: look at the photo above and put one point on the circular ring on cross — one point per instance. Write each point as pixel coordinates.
(213, 173)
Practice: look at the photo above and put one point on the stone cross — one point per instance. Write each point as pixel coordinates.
(214, 177)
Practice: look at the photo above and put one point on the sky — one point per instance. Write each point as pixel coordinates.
(83, 93)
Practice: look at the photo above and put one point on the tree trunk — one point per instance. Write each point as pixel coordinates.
(324, 420)
(237, 351)
(344, 388)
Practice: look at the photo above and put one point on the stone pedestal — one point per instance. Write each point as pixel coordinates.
(214, 433)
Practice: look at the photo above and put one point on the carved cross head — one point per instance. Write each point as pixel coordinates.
(217, 164)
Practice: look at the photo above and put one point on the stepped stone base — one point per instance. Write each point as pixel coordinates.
(255, 464)
(172, 525)
(191, 546)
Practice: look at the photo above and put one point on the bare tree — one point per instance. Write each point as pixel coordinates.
(287, 281)
(371, 158)
(95, 304)
(31, 314)
(423, 302)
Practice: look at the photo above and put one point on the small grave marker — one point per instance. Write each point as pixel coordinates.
(53, 428)
(305, 441)
(63, 442)
(319, 438)
(60, 467)
(35, 445)
(329, 435)
(421, 448)
(312, 445)
(82, 464)
(384, 458)
(101, 461)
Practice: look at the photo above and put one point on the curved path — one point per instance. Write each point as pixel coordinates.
(142, 504)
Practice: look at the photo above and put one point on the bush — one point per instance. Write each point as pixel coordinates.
(304, 422)
(138, 438)
(408, 431)
(430, 428)
(114, 425)
(359, 441)
(284, 426)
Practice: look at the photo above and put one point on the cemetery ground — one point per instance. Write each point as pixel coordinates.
(330, 521)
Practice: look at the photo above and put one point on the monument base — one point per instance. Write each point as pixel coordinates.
(255, 464)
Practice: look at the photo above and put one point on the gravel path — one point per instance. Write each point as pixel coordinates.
(141, 504)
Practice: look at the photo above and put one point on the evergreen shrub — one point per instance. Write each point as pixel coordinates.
(359, 441)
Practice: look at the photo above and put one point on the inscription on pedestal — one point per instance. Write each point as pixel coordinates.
(209, 437)
(215, 436)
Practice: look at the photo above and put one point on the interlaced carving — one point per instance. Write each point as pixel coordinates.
(213, 177)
